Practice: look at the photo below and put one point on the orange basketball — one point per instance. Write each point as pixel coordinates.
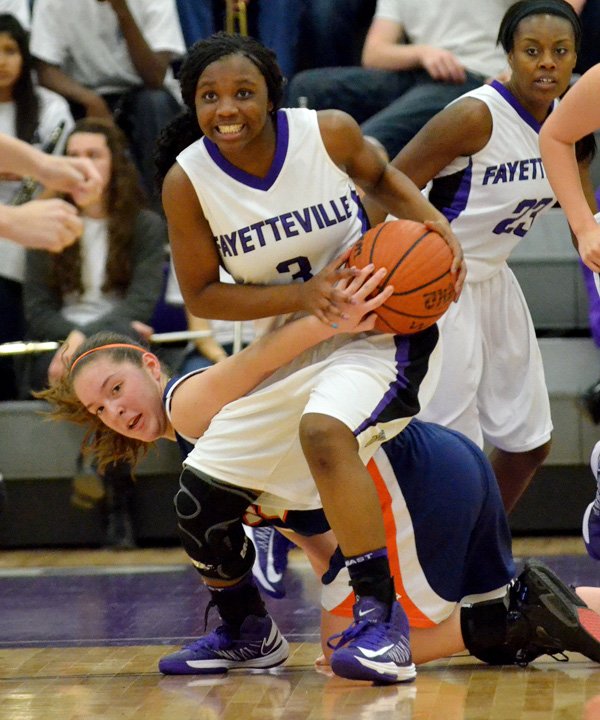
(418, 262)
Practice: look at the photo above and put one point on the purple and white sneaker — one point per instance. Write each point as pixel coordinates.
(259, 645)
(376, 646)
(591, 517)
(271, 561)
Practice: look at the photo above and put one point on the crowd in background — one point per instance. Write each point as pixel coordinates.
(97, 79)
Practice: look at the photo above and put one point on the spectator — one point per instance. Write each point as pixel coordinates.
(109, 280)
(31, 114)
(418, 56)
(119, 69)
(19, 8)
(276, 23)
(335, 32)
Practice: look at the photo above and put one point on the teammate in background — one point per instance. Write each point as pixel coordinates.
(280, 207)
(120, 392)
(481, 157)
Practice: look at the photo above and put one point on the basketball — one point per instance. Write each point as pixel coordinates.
(418, 261)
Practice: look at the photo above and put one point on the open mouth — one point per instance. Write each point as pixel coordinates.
(229, 129)
(134, 422)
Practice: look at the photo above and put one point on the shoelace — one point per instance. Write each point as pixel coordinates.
(354, 631)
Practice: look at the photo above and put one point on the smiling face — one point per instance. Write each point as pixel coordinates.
(95, 147)
(126, 397)
(11, 64)
(232, 103)
(542, 60)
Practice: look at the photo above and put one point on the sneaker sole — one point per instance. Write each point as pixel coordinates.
(218, 666)
(571, 620)
(358, 668)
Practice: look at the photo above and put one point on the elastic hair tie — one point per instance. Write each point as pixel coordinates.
(105, 347)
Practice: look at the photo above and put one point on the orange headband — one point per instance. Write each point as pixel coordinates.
(105, 347)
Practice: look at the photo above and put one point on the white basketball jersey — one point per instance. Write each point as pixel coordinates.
(287, 226)
(491, 198)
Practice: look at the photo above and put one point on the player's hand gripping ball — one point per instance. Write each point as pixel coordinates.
(418, 261)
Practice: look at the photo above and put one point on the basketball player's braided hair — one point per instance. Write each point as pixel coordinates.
(525, 8)
(101, 443)
(184, 129)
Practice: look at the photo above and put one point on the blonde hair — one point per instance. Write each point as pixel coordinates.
(105, 445)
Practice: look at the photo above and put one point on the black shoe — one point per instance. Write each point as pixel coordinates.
(546, 617)
(591, 402)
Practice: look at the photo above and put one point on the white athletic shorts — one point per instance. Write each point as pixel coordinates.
(373, 383)
(492, 383)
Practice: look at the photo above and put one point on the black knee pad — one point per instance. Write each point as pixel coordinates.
(209, 514)
(484, 629)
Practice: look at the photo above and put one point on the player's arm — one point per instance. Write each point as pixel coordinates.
(196, 263)
(389, 187)
(200, 397)
(150, 65)
(577, 115)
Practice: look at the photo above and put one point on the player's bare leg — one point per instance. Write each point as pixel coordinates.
(376, 645)
(514, 471)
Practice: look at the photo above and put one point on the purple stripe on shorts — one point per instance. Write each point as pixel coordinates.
(283, 137)
(399, 383)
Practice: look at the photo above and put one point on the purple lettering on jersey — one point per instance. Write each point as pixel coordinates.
(500, 174)
(489, 174)
(524, 170)
(272, 222)
(318, 218)
(289, 226)
(228, 243)
(326, 219)
(246, 240)
(345, 205)
(336, 211)
(257, 227)
(512, 169)
(303, 218)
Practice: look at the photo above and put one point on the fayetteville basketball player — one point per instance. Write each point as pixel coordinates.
(482, 157)
(279, 207)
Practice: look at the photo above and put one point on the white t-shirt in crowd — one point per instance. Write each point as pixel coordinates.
(84, 39)
(18, 8)
(94, 302)
(54, 109)
(467, 31)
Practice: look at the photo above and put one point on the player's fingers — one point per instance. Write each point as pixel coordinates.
(379, 299)
(354, 283)
(368, 283)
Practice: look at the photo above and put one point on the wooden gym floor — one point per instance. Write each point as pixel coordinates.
(81, 633)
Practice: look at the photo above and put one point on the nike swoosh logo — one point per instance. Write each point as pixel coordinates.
(272, 575)
(272, 642)
(375, 653)
(362, 613)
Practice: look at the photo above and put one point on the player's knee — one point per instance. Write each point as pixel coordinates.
(209, 523)
(485, 632)
(323, 439)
